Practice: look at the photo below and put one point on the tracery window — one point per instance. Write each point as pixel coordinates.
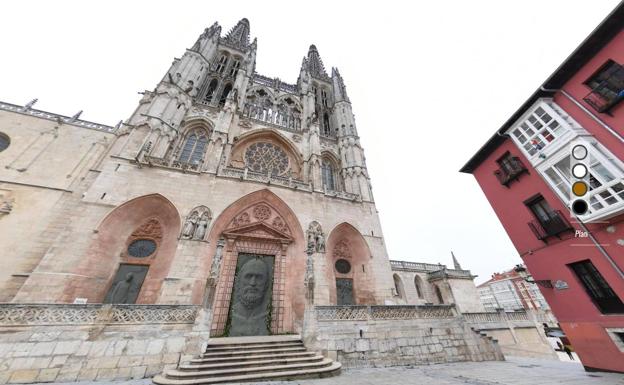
(222, 63)
(224, 94)
(234, 68)
(326, 130)
(328, 175)
(266, 158)
(211, 90)
(194, 147)
(260, 106)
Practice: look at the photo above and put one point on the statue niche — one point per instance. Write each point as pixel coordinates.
(196, 224)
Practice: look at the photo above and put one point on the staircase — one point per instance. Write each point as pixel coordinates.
(243, 359)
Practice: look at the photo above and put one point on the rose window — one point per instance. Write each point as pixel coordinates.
(266, 158)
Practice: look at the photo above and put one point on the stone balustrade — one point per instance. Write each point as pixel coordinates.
(378, 312)
(88, 314)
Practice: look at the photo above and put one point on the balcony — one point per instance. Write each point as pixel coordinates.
(511, 171)
(551, 227)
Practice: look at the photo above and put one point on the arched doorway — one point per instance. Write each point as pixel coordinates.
(348, 272)
(258, 290)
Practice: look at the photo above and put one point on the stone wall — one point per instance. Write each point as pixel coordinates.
(363, 336)
(61, 343)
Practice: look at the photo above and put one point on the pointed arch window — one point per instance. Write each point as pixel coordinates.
(326, 130)
(235, 67)
(398, 286)
(439, 295)
(194, 147)
(212, 87)
(222, 63)
(224, 94)
(418, 285)
(324, 98)
(328, 175)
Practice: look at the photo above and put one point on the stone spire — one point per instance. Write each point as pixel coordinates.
(238, 37)
(456, 264)
(340, 91)
(315, 64)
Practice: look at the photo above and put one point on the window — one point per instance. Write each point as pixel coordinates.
(418, 285)
(327, 173)
(439, 295)
(224, 94)
(266, 158)
(324, 97)
(235, 67)
(597, 288)
(342, 266)
(605, 179)
(222, 63)
(211, 90)
(510, 168)
(539, 129)
(194, 147)
(607, 86)
(4, 141)
(141, 248)
(398, 286)
(548, 222)
(326, 131)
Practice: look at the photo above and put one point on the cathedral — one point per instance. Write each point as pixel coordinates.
(229, 201)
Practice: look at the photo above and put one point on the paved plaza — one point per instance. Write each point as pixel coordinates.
(514, 371)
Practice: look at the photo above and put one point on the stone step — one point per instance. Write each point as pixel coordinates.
(250, 364)
(197, 374)
(319, 372)
(200, 361)
(253, 352)
(240, 347)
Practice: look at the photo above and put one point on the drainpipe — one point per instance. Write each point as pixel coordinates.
(618, 136)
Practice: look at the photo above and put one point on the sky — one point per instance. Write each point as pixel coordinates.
(429, 82)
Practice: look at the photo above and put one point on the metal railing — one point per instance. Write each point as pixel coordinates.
(511, 171)
(554, 225)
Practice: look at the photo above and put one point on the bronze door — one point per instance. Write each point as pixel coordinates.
(344, 291)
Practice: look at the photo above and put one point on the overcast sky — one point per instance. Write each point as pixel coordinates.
(429, 82)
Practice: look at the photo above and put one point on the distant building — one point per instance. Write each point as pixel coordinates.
(510, 291)
(417, 283)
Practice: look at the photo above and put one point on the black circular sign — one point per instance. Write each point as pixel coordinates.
(579, 207)
(142, 248)
(343, 266)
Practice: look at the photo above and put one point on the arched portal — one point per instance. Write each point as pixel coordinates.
(136, 242)
(347, 269)
(263, 242)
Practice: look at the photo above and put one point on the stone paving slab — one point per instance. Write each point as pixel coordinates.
(514, 371)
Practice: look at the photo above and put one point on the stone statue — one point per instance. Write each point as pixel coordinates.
(122, 289)
(320, 242)
(216, 261)
(311, 240)
(189, 226)
(249, 311)
(200, 230)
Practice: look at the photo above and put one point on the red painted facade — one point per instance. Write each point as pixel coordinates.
(579, 317)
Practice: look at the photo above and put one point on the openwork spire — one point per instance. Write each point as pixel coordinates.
(238, 37)
(340, 90)
(207, 34)
(315, 64)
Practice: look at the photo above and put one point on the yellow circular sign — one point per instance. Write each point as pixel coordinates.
(579, 188)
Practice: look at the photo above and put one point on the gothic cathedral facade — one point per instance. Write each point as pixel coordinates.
(225, 188)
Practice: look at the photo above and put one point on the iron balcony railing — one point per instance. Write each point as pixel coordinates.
(511, 171)
(603, 99)
(553, 226)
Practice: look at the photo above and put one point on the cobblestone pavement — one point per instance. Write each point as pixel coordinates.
(514, 371)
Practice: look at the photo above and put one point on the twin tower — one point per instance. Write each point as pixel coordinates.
(216, 79)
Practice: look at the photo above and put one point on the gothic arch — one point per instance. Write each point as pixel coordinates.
(419, 286)
(149, 216)
(271, 136)
(398, 286)
(260, 223)
(331, 177)
(346, 242)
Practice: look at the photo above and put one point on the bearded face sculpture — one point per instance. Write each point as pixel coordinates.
(251, 295)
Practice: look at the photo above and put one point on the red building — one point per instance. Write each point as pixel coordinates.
(524, 170)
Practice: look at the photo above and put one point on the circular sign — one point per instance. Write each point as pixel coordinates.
(579, 170)
(579, 152)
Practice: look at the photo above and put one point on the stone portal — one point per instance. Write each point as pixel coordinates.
(344, 291)
(250, 309)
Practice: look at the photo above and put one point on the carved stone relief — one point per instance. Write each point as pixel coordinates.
(197, 223)
(316, 238)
